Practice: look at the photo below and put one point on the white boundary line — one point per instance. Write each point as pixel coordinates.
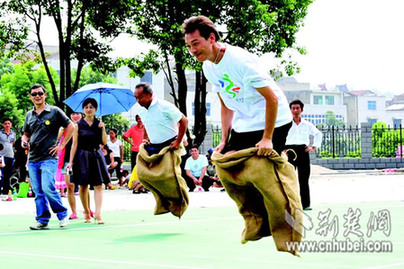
(19, 254)
(92, 227)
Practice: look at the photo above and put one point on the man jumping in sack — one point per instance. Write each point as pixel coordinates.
(159, 158)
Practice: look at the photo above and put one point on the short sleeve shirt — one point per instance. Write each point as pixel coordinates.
(43, 131)
(115, 147)
(196, 166)
(137, 137)
(236, 78)
(160, 120)
(7, 141)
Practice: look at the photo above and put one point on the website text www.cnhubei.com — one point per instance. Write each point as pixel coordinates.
(346, 245)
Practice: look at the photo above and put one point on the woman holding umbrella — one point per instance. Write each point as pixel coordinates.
(90, 162)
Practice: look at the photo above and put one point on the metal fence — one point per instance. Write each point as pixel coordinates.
(340, 142)
(345, 142)
(387, 142)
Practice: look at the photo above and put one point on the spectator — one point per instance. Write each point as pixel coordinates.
(20, 159)
(109, 158)
(89, 162)
(116, 146)
(69, 175)
(1, 162)
(41, 129)
(134, 137)
(195, 168)
(298, 140)
(7, 138)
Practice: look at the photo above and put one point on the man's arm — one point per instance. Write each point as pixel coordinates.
(189, 174)
(61, 145)
(203, 173)
(73, 149)
(25, 140)
(183, 123)
(126, 138)
(265, 146)
(226, 117)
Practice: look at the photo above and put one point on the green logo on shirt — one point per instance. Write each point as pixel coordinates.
(230, 89)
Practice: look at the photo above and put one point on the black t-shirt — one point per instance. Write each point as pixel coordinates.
(43, 131)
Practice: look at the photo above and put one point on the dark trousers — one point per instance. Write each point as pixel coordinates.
(239, 141)
(302, 164)
(133, 155)
(117, 168)
(206, 183)
(7, 171)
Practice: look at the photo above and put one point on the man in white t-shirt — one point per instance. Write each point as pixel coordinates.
(195, 168)
(254, 110)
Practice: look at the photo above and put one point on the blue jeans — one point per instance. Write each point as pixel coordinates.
(42, 176)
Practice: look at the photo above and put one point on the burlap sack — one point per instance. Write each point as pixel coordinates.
(265, 190)
(161, 174)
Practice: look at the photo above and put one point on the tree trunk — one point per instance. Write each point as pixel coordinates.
(200, 108)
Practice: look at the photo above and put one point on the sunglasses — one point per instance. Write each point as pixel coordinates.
(37, 93)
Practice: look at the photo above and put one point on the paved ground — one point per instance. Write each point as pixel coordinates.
(327, 186)
(208, 234)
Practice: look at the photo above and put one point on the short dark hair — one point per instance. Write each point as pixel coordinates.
(145, 86)
(1, 147)
(7, 119)
(36, 86)
(114, 130)
(194, 146)
(91, 101)
(201, 23)
(296, 102)
(137, 117)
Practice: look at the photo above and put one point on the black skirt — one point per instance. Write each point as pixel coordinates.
(91, 168)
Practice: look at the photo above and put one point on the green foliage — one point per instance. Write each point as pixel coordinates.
(385, 141)
(78, 34)
(9, 109)
(21, 78)
(116, 121)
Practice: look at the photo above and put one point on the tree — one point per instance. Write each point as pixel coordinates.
(9, 109)
(22, 77)
(77, 37)
(259, 26)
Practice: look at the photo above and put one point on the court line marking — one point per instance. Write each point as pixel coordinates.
(19, 254)
(98, 227)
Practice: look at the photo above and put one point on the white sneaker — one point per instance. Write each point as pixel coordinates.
(64, 222)
(39, 226)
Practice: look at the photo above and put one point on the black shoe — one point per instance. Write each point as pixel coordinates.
(191, 190)
(223, 190)
(136, 192)
(307, 208)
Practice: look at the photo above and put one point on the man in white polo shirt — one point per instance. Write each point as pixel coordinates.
(164, 123)
(159, 158)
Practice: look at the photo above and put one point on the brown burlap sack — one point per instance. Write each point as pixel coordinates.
(161, 174)
(265, 190)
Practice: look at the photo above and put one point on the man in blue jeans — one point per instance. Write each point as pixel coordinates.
(41, 129)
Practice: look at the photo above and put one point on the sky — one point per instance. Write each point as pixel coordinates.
(355, 42)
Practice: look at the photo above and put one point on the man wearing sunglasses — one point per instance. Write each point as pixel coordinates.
(40, 130)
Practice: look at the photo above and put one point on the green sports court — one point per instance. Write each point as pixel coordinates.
(345, 206)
